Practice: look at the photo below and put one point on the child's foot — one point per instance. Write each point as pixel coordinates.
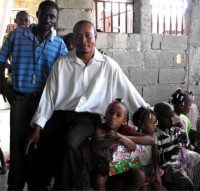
(3, 169)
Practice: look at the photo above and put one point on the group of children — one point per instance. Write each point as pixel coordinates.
(169, 158)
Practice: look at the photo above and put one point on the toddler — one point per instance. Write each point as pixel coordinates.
(182, 101)
(145, 120)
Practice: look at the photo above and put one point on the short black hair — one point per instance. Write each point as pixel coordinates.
(161, 109)
(83, 22)
(68, 36)
(21, 12)
(48, 3)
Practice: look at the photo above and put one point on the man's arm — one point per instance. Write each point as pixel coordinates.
(6, 92)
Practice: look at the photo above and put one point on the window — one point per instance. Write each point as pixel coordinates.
(113, 15)
(167, 16)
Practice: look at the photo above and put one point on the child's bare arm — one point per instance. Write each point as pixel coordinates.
(143, 140)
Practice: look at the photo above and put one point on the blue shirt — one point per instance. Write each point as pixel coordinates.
(31, 59)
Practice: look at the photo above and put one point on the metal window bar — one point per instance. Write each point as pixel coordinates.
(107, 22)
(171, 25)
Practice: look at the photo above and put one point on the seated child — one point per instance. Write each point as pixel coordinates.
(193, 115)
(171, 139)
(182, 101)
(116, 131)
(145, 120)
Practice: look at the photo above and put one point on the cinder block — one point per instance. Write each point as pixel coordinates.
(131, 59)
(75, 4)
(172, 42)
(156, 41)
(152, 59)
(103, 40)
(120, 40)
(172, 76)
(69, 17)
(144, 76)
(156, 93)
(134, 42)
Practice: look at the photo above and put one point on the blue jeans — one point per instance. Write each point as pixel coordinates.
(21, 113)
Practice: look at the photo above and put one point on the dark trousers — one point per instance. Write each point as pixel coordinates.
(21, 113)
(58, 152)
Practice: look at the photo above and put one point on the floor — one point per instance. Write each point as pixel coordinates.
(4, 144)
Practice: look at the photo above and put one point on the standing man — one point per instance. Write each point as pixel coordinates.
(33, 50)
(22, 20)
(79, 88)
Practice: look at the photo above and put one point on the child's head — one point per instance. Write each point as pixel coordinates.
(69, 41)
(182, 101)
(145, 120)
(165, 115)
(22, 19)
(116, 114)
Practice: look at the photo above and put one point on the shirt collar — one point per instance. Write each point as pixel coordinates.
(161, 132)
(97, 56)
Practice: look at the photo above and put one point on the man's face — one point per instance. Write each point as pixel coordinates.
(22, 20)
(84, 39)
(47, 18)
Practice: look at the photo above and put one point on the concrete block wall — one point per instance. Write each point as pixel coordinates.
(154, 72)
(148, 60)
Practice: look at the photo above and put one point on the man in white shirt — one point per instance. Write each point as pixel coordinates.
(80, 86)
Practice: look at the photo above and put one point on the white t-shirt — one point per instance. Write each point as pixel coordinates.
(147, 158)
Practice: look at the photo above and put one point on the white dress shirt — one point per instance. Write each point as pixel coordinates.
(72, 85)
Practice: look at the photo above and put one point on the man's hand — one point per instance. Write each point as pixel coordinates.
(34, 138)
(7, 93)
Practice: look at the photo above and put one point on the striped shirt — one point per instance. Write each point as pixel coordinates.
(30, 58)
(166, 142)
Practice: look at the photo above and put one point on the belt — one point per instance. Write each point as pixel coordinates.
(28, 95)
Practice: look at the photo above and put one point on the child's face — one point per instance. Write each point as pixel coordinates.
(22, 20)
(166, 121)
(116, 116)
(70, 44)
(149, 126)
